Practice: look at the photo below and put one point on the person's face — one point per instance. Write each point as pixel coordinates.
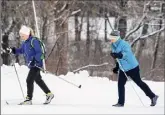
(24, 37)
(113, 39)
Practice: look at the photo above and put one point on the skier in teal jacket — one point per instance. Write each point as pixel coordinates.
(127, 64)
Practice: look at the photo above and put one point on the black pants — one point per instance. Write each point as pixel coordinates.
(134, 74)
(34, 75)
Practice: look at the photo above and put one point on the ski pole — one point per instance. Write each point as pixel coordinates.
(130, 82)
(19, 81)
(78, 86)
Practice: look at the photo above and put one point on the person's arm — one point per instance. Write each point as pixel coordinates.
(126, 49)
(18, 50)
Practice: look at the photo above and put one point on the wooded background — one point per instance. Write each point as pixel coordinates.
(75, 33)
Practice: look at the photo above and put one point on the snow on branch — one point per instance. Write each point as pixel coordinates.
(155, 24)
(89, 66)
(75, 12)
(140, 22)
(63, 8)
(109, 22)
(136, 28)
(146, 36)
(68, 15)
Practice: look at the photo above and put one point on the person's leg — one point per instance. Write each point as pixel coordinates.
(44, 87)
(121, 87)
(135, 76)
(30, 82)
(41, 83)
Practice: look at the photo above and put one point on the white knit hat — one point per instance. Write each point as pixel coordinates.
(24, 30)
(114, 35)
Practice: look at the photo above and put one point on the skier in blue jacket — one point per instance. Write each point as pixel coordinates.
(127, 64)
(33, 57)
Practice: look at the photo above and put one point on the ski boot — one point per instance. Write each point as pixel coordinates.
(27, 101)
(49, 97)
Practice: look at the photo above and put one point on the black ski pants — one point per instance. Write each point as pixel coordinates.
(134, 74)
(34, 75)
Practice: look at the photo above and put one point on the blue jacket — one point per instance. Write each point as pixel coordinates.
(128, 61)
(30, 52)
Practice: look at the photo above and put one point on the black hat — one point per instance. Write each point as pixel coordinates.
(115, 33)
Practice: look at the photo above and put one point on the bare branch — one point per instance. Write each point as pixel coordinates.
(136, 28)
(140, 22)
(146, 36)
(75, 12)
(65, 18)
(52, 48)
(109, 22)
(89, 66)
(63, 8)
(70, 14)
(21, 5)
(155, 24)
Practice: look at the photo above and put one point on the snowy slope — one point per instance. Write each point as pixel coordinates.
(95, 97)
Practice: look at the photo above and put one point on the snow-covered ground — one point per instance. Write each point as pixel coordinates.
(95, 97)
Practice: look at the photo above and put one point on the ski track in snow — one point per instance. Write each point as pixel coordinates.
(96, 96)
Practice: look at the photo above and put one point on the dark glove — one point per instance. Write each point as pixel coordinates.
(13, 50)
(116, 69)
(117, 55)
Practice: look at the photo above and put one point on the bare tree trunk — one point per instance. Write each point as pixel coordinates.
(105, 25)
(76, 28)
(43, 36)
(123, 20)
(88, 43)
(18, 45)
(5, 45)
(59, 61)
(153, 64)
(62, 46)
(122, 26)
(77, 34)
(5, 40)
(88, 36)
(98, 52)
(80, 28)
(116, 23)
(141, 43)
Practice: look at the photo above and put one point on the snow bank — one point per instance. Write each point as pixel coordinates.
(95, 97)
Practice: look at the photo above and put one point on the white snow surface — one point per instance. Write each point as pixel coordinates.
(96, 96)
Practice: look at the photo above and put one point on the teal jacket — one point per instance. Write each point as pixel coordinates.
(128, 61)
